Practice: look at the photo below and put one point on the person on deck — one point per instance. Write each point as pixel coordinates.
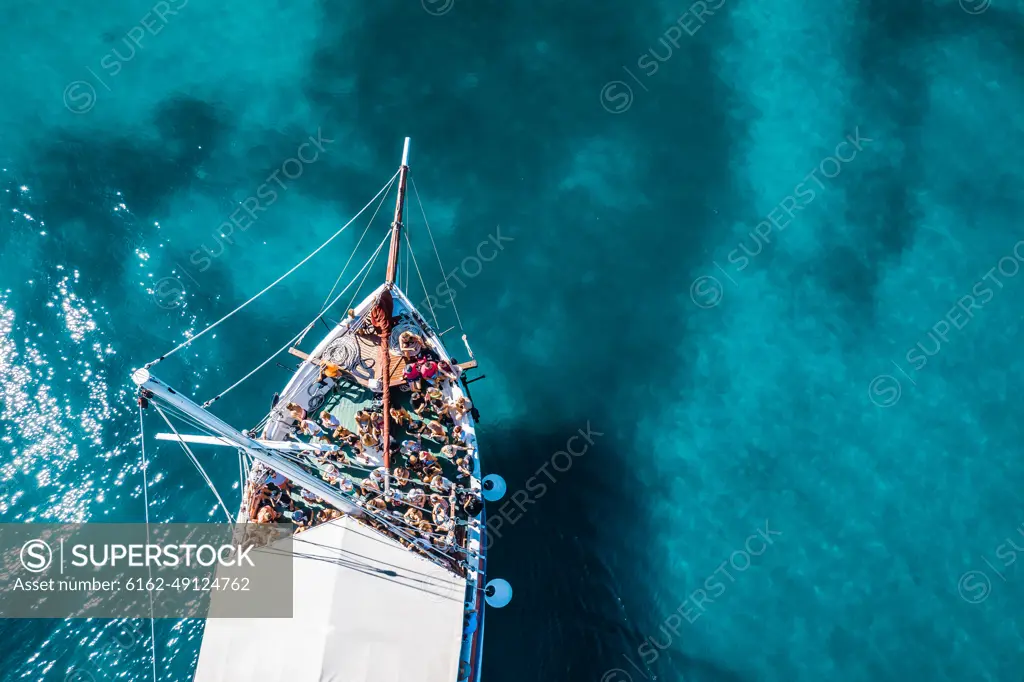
(394, 497)
(401, 475)
(428, 370)
(417, 498)
(413, 378)
(414, 463)
(435, 398)
(413, 516)
(329, 421)
(452, 450)
(311, 428)
(297, 413)
(301, 519)
(409, 344)
(278, 481)
(267, 514)
(344, 435)
(436, 431)
(440, 515)
(461, 407)
(410, 447)
(427, 459)
(448, 371)
(329, 370)
(401, 416)
(378, 475)
(418, 403)
(472, 505)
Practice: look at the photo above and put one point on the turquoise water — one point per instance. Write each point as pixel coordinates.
(802, 355)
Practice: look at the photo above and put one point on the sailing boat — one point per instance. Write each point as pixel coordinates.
(370, 452)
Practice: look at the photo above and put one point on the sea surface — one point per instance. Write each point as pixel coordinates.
(765, 255)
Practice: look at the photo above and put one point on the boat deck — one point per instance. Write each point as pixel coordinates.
(344, 399)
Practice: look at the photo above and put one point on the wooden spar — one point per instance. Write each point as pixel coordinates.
(396, 224)
(385, 307)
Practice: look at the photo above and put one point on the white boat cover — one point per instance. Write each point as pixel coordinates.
(352, 622)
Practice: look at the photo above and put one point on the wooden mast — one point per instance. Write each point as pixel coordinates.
(385, 307)
(396, 224)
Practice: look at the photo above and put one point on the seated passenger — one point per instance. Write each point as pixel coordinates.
(448, 371)
(311, 428)
(279, 481)
(412, 376)
(377, 504)
(440, 515)
(300, 518)
(419, 403)
(437, 501)
(410, 447)
(401, 476)
(329, 370)
(409, 344)
(417, 498)
(440, 484)
(297, 413)
(413, 516)
(472, 505)
(435, 431)
(346, 484)
(310, 496)
(344, 435)
(465, 467)
(452, 450)
(401, 416)
(428, 370)
(329, 421)
(267, 514)
(461, 407)
(427, 459)
(363, 419)
(377, 475)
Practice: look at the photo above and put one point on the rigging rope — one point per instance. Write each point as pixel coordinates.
(430, 307)
(297, 337)
(325, 305)
(195, 461)
(434, 244)
(145, 500)
(275, 282)
(354, 295)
